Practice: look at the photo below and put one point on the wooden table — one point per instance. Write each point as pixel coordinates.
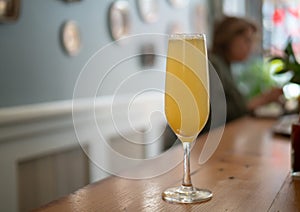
(248, 172)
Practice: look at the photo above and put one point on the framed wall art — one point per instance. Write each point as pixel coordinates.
(178, 3)
(70, 1)
(9, 10)
(70, 38)
(175, 27)
(147, 55)
(200, 18)
(148, 10)
(119, 19)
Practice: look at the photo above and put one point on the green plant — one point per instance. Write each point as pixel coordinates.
(255, 77)
(287, 63)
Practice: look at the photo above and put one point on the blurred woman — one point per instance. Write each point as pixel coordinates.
(233, 40)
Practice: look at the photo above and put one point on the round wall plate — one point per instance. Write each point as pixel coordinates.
(71, 38)
(199, 18)
(149, 10)
(119, 18)
(9, 10)
(179, 3)
(175, 27)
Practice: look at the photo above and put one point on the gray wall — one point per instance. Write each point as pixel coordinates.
(34, 67)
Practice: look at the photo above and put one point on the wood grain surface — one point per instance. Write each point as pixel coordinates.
(248, 172)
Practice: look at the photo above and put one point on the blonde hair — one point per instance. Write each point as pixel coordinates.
(226, 30)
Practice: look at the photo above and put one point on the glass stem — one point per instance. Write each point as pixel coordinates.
(186, 181)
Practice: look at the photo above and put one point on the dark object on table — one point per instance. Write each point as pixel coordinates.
(284, 124)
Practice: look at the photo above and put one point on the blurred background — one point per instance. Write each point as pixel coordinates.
(44, 45)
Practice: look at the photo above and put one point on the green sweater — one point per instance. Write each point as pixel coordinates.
(236, 102)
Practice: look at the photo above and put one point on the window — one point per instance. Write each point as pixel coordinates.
(281, 19)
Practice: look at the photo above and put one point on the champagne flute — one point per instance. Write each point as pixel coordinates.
(187, 105)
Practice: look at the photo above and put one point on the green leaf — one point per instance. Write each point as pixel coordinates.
(282, 71)
(293, 67)
(295, 79)
(290, 52)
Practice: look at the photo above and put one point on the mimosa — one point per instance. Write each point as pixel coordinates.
(187, 105)
(187, 98)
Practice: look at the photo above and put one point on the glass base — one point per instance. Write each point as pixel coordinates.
(186, 194)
